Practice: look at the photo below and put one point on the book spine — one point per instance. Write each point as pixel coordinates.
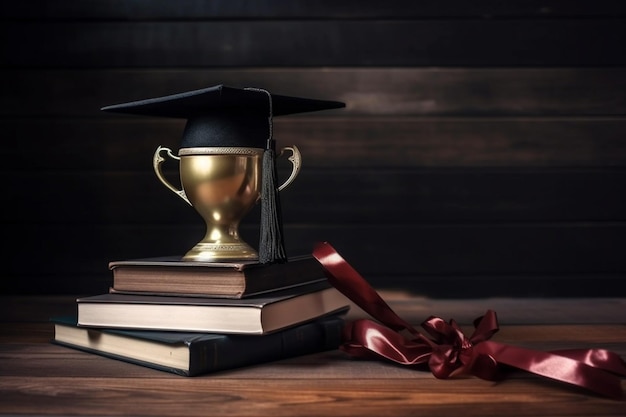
(243, 350)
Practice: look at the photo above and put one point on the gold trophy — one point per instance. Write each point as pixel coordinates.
(222, 185)
(227, 162)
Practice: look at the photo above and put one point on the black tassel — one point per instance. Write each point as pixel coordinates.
(271, 245)
(271, 242)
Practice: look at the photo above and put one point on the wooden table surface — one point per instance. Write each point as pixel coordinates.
(40, 378)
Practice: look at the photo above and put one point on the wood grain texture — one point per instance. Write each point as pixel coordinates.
(37, 377)
(333, 142)
(482, 145)
(412, 197)
(248, 43)
(503, 261)
(296, 397)
(304, 9)
(371, 90)
(433, 249)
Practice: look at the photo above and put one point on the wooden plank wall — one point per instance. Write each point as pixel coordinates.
(482, 150)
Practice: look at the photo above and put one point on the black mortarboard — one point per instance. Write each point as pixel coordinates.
(223, 116)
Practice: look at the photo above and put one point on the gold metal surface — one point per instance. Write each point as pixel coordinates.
(222, 185)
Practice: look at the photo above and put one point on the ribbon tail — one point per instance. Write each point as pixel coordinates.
(554, 366)
(348, 281)
(597, 358)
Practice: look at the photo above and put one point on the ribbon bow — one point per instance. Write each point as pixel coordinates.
(448, 352)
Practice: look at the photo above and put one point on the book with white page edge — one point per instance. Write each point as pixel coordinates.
(257, 315)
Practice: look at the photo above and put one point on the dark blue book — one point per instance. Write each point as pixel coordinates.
(192, 354)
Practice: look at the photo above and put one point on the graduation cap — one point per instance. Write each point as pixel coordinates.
(224, 116)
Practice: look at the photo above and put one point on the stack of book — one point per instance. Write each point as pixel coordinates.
(192, 318)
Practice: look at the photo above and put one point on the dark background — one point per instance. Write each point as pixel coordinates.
(482, 150)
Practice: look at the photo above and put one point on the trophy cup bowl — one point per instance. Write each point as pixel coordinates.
(222, 184)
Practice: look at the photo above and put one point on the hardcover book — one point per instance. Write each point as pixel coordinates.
(170, 275)
(191, 354)
(258, 315)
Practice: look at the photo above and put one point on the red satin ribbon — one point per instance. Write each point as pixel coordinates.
(448, 352)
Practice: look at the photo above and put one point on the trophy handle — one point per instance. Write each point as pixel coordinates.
(296, 162)
(157, 160)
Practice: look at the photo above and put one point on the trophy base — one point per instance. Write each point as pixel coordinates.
(221, 252)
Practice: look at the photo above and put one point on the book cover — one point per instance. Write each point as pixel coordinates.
(258, 315)
(170, 275)
(192, 354)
